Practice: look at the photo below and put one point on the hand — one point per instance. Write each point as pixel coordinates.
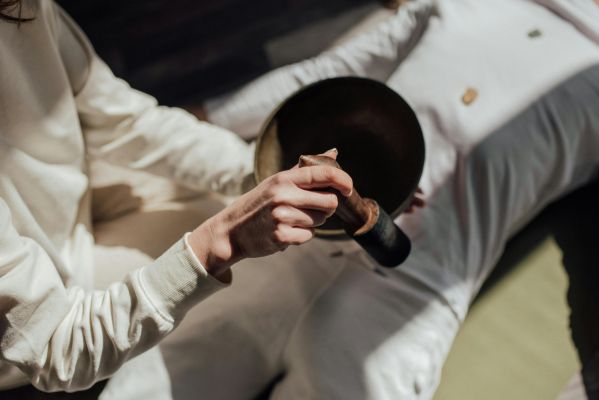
(198, 110)
(417, 202)
(281, 211)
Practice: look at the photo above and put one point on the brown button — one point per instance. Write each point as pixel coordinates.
(535, 33)
(469, 96)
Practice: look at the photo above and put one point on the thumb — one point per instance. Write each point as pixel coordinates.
(332, 153)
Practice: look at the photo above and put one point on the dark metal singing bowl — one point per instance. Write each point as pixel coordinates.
(377, 134)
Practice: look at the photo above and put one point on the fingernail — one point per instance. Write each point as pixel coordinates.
(334, 149)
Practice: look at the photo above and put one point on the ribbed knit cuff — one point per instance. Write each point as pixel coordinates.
(177, 281)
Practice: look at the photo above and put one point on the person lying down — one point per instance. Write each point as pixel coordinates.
(511, 123)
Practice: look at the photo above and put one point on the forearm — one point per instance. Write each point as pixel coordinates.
(102, 330)
(127, 127)
(67, 338)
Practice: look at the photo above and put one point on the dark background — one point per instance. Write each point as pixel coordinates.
(182, 51)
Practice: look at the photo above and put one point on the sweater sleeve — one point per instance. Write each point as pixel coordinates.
(129, 128)
(67, 338)
(374, 54)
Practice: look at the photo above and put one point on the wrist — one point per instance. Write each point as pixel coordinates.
(198, 110)
(211, 244)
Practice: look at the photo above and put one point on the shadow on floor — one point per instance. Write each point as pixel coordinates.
(572, 222)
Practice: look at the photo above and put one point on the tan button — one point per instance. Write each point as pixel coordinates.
(535, 33)
(469, 96)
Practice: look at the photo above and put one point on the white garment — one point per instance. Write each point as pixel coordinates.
(431, 52)
(58, 104)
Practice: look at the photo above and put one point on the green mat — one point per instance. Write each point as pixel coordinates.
(515, 344)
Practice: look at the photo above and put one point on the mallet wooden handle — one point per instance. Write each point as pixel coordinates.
(366, 222)
(358, 214)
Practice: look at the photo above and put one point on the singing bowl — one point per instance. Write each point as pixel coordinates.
(377, 134)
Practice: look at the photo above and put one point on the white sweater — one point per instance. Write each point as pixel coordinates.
(58, 104)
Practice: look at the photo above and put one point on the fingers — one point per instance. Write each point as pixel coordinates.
(286, 235)
(333, 153)
(298, 217)
(321, 176)
(295, 197)
(417, 201)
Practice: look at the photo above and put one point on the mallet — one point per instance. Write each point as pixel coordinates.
(366, 222)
